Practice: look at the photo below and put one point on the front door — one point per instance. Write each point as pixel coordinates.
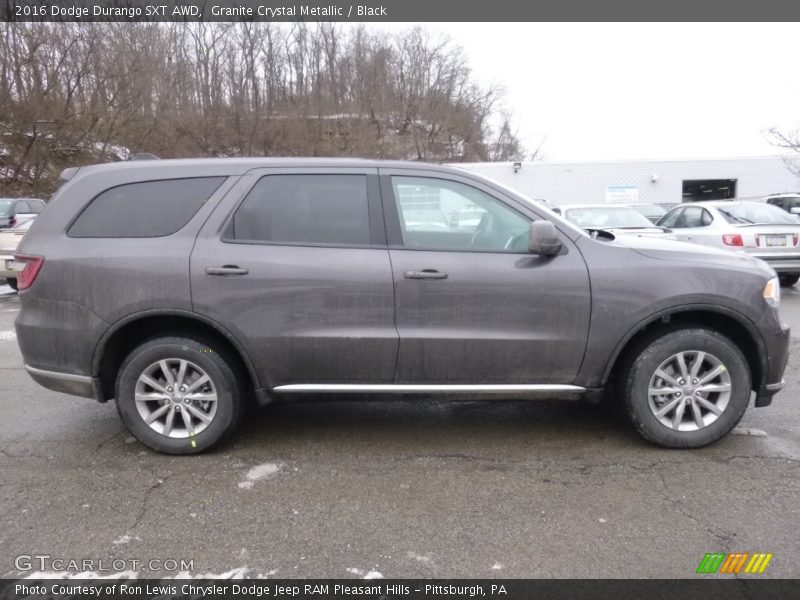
(472, 304)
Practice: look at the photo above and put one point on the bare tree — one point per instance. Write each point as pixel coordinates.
(85, 92)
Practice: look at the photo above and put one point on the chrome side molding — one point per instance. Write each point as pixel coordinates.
(403, 388)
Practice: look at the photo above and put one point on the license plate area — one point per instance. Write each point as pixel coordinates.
(774, 240)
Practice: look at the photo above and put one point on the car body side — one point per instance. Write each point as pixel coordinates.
(92, 292)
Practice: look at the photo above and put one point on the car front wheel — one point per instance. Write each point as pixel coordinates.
(686, 388)
(178, 395)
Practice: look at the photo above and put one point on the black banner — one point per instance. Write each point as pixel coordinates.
(411, 11)
(706, 588)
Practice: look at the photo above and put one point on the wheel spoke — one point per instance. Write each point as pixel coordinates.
(202, 397)
(167, 372)
(146, 379)
(678, 417)
(200, 381)
(698, 415)
(151, 397)
(157, 413)
(663, 391)
(187, 421)
(667, 377)
(698, 362)
(681, 358)
(199, 414)
(712, 375)
(715, 387)
(709, 405)
(169, 421)
(181, 373)
(667, 408)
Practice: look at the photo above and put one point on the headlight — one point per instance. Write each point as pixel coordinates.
(772, 292)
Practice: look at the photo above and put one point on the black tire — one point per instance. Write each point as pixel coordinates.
(787, 279)
(12, 283)
(219, 368)
(641, 364)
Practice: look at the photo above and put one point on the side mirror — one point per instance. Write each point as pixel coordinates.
(795, 210)
(544, 239)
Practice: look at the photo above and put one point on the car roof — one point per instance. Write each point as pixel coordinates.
(718, 203)
(239, 165)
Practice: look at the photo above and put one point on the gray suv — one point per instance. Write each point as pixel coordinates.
(188, 289)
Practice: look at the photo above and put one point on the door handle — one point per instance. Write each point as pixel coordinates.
(227, 270)
(425, 274)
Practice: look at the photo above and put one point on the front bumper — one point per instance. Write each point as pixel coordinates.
(777, 358)
(67, 383)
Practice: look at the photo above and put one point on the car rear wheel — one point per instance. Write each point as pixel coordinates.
(788, 279)
(686, 388)
(178, 395)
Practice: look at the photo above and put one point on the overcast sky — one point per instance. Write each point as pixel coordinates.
(598, 91)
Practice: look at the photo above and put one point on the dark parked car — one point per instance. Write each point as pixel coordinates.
(14, 211)
(186, 288)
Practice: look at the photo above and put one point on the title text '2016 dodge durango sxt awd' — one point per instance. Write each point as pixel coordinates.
(185, 288)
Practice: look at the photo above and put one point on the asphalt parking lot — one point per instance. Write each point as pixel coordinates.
(395, 489)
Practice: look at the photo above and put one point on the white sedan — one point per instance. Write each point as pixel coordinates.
(759, 229)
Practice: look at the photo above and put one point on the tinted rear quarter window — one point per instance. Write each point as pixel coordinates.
(144, 209)
(304, 209)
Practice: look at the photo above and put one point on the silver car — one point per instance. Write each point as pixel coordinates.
(616, 218)
(759, 229)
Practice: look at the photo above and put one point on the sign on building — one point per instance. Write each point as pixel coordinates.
(622, 193)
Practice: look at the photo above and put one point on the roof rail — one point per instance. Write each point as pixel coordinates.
(144, 156)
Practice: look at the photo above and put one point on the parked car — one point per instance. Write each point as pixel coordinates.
(9, 240)
(14, 211)
(653, 212)
(758, 229)
(615, 218)
(184, 288)
(788, 202)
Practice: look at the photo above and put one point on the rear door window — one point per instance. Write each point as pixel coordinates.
(304, 209)
(22, 207)
(144, 209)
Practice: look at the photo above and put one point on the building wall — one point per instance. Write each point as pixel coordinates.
(658, 181)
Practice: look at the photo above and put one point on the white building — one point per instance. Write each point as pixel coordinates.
(646, 181)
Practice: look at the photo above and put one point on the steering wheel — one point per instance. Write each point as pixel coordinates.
(483, 231)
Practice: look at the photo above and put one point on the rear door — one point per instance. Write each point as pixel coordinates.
(294, 263)
(473, 305)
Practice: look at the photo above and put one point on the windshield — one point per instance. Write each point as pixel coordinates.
(601, 217)
(755, 212)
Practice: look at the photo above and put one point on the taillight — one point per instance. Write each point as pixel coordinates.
(27, 268)
(732, 239)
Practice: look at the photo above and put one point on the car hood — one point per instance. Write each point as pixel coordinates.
(661, 249)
